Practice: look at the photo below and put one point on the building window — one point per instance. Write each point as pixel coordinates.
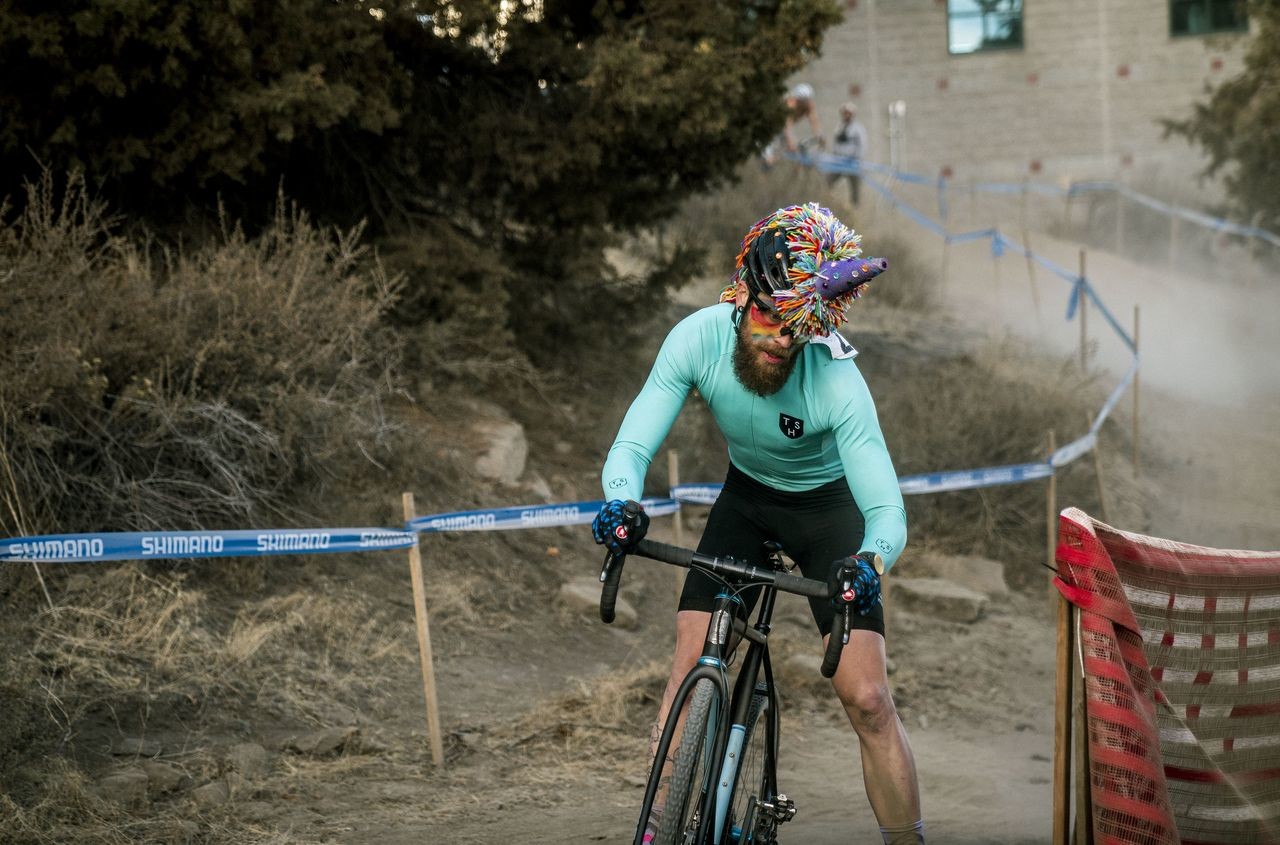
(1200, 17)
(977, 25)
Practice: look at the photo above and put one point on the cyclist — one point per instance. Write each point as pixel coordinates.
(808, 465)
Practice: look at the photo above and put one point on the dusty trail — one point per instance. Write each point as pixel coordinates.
(1210, 387)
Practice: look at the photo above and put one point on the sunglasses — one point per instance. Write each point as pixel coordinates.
(768, 317)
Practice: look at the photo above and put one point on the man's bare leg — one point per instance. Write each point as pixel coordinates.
(691, 633)
(888, 767)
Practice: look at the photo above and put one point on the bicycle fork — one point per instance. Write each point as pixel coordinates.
(779, 807)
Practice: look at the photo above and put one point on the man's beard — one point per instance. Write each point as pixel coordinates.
(754, 373)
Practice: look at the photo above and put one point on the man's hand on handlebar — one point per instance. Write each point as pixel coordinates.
(617, 531)
(855, 581)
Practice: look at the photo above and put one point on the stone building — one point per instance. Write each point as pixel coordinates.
(1052, 90)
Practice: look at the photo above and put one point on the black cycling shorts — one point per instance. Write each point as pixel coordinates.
(815, 527)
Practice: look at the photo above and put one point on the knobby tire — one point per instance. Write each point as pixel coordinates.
(689, 770)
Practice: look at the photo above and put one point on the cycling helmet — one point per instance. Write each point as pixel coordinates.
(807, 265)
(802, 91)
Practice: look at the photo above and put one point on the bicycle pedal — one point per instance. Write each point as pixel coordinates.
(782, 808)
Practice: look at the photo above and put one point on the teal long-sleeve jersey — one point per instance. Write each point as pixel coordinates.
(820, 426)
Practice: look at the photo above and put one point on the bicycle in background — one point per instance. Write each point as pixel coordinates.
(724, 781)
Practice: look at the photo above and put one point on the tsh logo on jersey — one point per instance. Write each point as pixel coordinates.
(790, 426)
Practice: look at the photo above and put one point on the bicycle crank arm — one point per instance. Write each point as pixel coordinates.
(783, 809)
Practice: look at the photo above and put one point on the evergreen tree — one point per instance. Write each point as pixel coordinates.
(1237, 125)
(493, 145)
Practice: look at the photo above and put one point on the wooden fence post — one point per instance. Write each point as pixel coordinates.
(424, 637)
(1082, 305)
(1080, 734)
(1097, 471)
(1120, 205)
(946, 269)
(1051, 514)
(1062, 745)
(1031, 272)
(1137, 391)
(673, 481)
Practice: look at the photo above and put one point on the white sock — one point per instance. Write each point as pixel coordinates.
(911, 833)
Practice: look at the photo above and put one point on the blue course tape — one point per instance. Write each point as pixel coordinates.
(528, 516)
(1076, 188)
(932, 482)
(969, 479)
(86, 548)
(696, 494)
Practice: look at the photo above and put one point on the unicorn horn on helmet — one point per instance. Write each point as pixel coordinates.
(849, 274)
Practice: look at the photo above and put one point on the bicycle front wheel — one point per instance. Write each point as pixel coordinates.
(680, 817)
(752, 784)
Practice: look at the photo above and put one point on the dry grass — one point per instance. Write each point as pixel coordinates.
(991, 407)
(184, 388)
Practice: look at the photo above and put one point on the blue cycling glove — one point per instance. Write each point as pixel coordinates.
(856, 580)
(610, 528)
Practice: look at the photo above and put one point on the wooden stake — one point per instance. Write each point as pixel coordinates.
(1097, 472)
(1119, 223)
(1062, 725)
(1080, 735)
(1137, 392)
(1081, 305)
(1256, 274)
(995, 271)
(673, 480)
(1051, 521)
(424, 638)
(946, 251)
(1031, 272)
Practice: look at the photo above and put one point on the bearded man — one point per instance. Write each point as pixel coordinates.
(808, 467)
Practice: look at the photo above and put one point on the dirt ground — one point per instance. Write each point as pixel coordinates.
(545, 711)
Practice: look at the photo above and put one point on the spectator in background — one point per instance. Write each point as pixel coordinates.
(850, 143)
(800, 106)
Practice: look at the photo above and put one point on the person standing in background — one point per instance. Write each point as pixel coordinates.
(800, 106)
(850, 143)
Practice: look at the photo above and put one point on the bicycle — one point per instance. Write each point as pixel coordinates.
(725, 767)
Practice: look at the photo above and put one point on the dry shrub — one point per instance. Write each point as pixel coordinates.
(124, 630)
(617, 705)
(992, 407)
(147, 652)
(68, 811)
(149, 387)
(65, 810)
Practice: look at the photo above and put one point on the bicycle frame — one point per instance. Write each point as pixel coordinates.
(730, 713)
